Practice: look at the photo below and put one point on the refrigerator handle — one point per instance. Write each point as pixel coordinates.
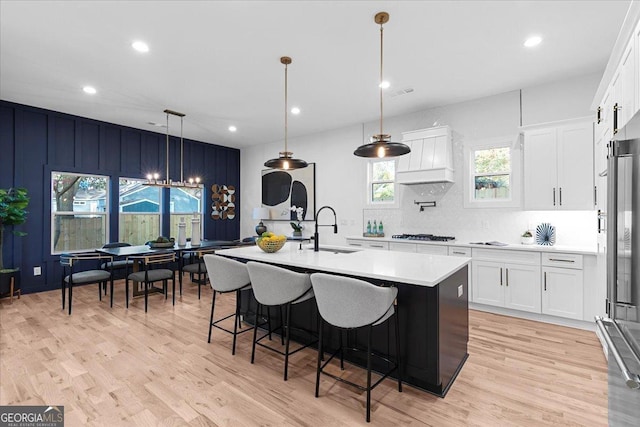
(612, 229)
(632, 380)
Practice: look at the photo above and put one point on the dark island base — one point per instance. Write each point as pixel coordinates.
(434, 332)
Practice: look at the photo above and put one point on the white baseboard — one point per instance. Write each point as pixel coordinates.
(571, 323)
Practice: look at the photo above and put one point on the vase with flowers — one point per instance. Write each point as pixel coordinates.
(297, 226)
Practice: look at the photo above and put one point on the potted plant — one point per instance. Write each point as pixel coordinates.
(526, 238)
(297, 226)
(13, 211)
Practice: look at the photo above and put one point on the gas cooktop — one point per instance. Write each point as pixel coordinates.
(425, 237)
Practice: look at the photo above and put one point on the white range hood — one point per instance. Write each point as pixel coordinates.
(431, 157)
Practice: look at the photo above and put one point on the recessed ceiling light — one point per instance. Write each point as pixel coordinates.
(232, 128)
(295, 110)
(90, 90)
(140, 46)
(533, 41)
(385, 84)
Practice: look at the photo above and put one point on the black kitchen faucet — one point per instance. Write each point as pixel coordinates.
(316, 237)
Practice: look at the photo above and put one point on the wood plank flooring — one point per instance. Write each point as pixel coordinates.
(113, 367)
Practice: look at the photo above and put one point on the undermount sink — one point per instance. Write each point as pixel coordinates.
(338, 251)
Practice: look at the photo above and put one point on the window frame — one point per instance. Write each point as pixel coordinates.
(106, 214)
(515, 174)
(370, 183)
(187, 215)
(120, 213)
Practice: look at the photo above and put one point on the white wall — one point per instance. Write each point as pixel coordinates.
(341, 177)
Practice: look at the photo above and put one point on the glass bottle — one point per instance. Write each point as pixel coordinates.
(369, 227)
(374, 229)
(380, 229)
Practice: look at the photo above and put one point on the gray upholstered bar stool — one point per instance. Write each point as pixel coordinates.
(276, 286)
(227, 275)
(348, 303)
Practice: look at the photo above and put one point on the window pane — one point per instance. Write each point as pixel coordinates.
(383, 171)
(139, 219)
(382, 192)
(492, 187)
(78, 232)
(184, 203)
(84, 199)
(493, 160)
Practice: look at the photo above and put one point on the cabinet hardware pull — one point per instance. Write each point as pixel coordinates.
(545, 280)
(377, 246)
(507, 275)
(355, 244)
(599, 115)
(561, 260)
(500, 276)
(615, 118)
(560, 196)
(595, 195)
(459, 253)
(554, 196)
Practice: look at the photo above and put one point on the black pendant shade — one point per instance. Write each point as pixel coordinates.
(380, 145)
(285, 162)
(382, 148)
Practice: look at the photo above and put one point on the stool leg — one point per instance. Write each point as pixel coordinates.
(126, 291)
(281, 325)
(397, 322)
(255, 333)
(213, 304)
(286, 348)
(369, 373)
(341, 332)
(111, 292)
(63, 287)
(269, 321)
(100, 284)
(173, 289)
(318, 366)
(70, 294)
(146, 295)
(235, 323)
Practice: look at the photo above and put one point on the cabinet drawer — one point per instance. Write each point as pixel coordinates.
(501, 255)
(562, 260)
(402, 247)
(377, 245)
(459, 251)
(432, 249)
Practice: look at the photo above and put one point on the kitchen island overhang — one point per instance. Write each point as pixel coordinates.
(432, 304)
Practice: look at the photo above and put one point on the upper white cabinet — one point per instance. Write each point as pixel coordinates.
(558, 167)
(617, 99)
(430, 159)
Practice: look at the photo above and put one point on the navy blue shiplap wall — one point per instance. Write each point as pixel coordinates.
(34, 142)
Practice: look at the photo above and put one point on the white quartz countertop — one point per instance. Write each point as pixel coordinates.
(412, 268)
(465, 243)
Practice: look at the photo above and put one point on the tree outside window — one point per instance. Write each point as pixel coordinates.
(492, 174)
(382, 181)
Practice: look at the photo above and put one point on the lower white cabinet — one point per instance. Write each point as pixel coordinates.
(562, 287)
(368, 244)
(432, 250)
(507, 285)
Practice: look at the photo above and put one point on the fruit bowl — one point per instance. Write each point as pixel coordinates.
(269, 244)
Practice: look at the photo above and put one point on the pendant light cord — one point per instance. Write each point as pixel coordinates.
(381, 62)
(286, 116)
(181, 152)
(167, 165)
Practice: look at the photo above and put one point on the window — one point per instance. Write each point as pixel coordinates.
(382, 185)
(139, 211)
(185, 203)
(79, 211)
(492, 177)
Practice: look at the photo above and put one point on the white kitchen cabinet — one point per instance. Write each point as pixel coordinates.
(459, 251)
(563, 285)
(558, 167)
(430, 159)
(432, 249)
(627, 86)
(506, 279)
(402, 247)
(368, 244)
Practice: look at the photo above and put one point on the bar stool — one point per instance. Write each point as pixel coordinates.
(227, 275)
(348, 303)
(276, 286)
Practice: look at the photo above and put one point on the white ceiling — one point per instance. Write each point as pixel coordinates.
(219, 61)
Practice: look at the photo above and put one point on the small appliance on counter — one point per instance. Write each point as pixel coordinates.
(423, 237)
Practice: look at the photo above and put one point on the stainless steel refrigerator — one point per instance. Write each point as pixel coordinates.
(621, 330)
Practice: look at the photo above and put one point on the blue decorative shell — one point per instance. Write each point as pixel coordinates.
(546, 234)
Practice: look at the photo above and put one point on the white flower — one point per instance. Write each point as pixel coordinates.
(299, 212)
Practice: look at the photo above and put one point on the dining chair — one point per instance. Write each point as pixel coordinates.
(157, 266)
(83, 269)
(196, 267)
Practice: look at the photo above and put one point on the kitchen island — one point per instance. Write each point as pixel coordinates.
(432, 304)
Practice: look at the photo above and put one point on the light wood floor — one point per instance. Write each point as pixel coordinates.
(114, 367)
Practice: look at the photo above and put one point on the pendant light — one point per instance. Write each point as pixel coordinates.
(285, 161)
(154, 179)
(381, 145)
